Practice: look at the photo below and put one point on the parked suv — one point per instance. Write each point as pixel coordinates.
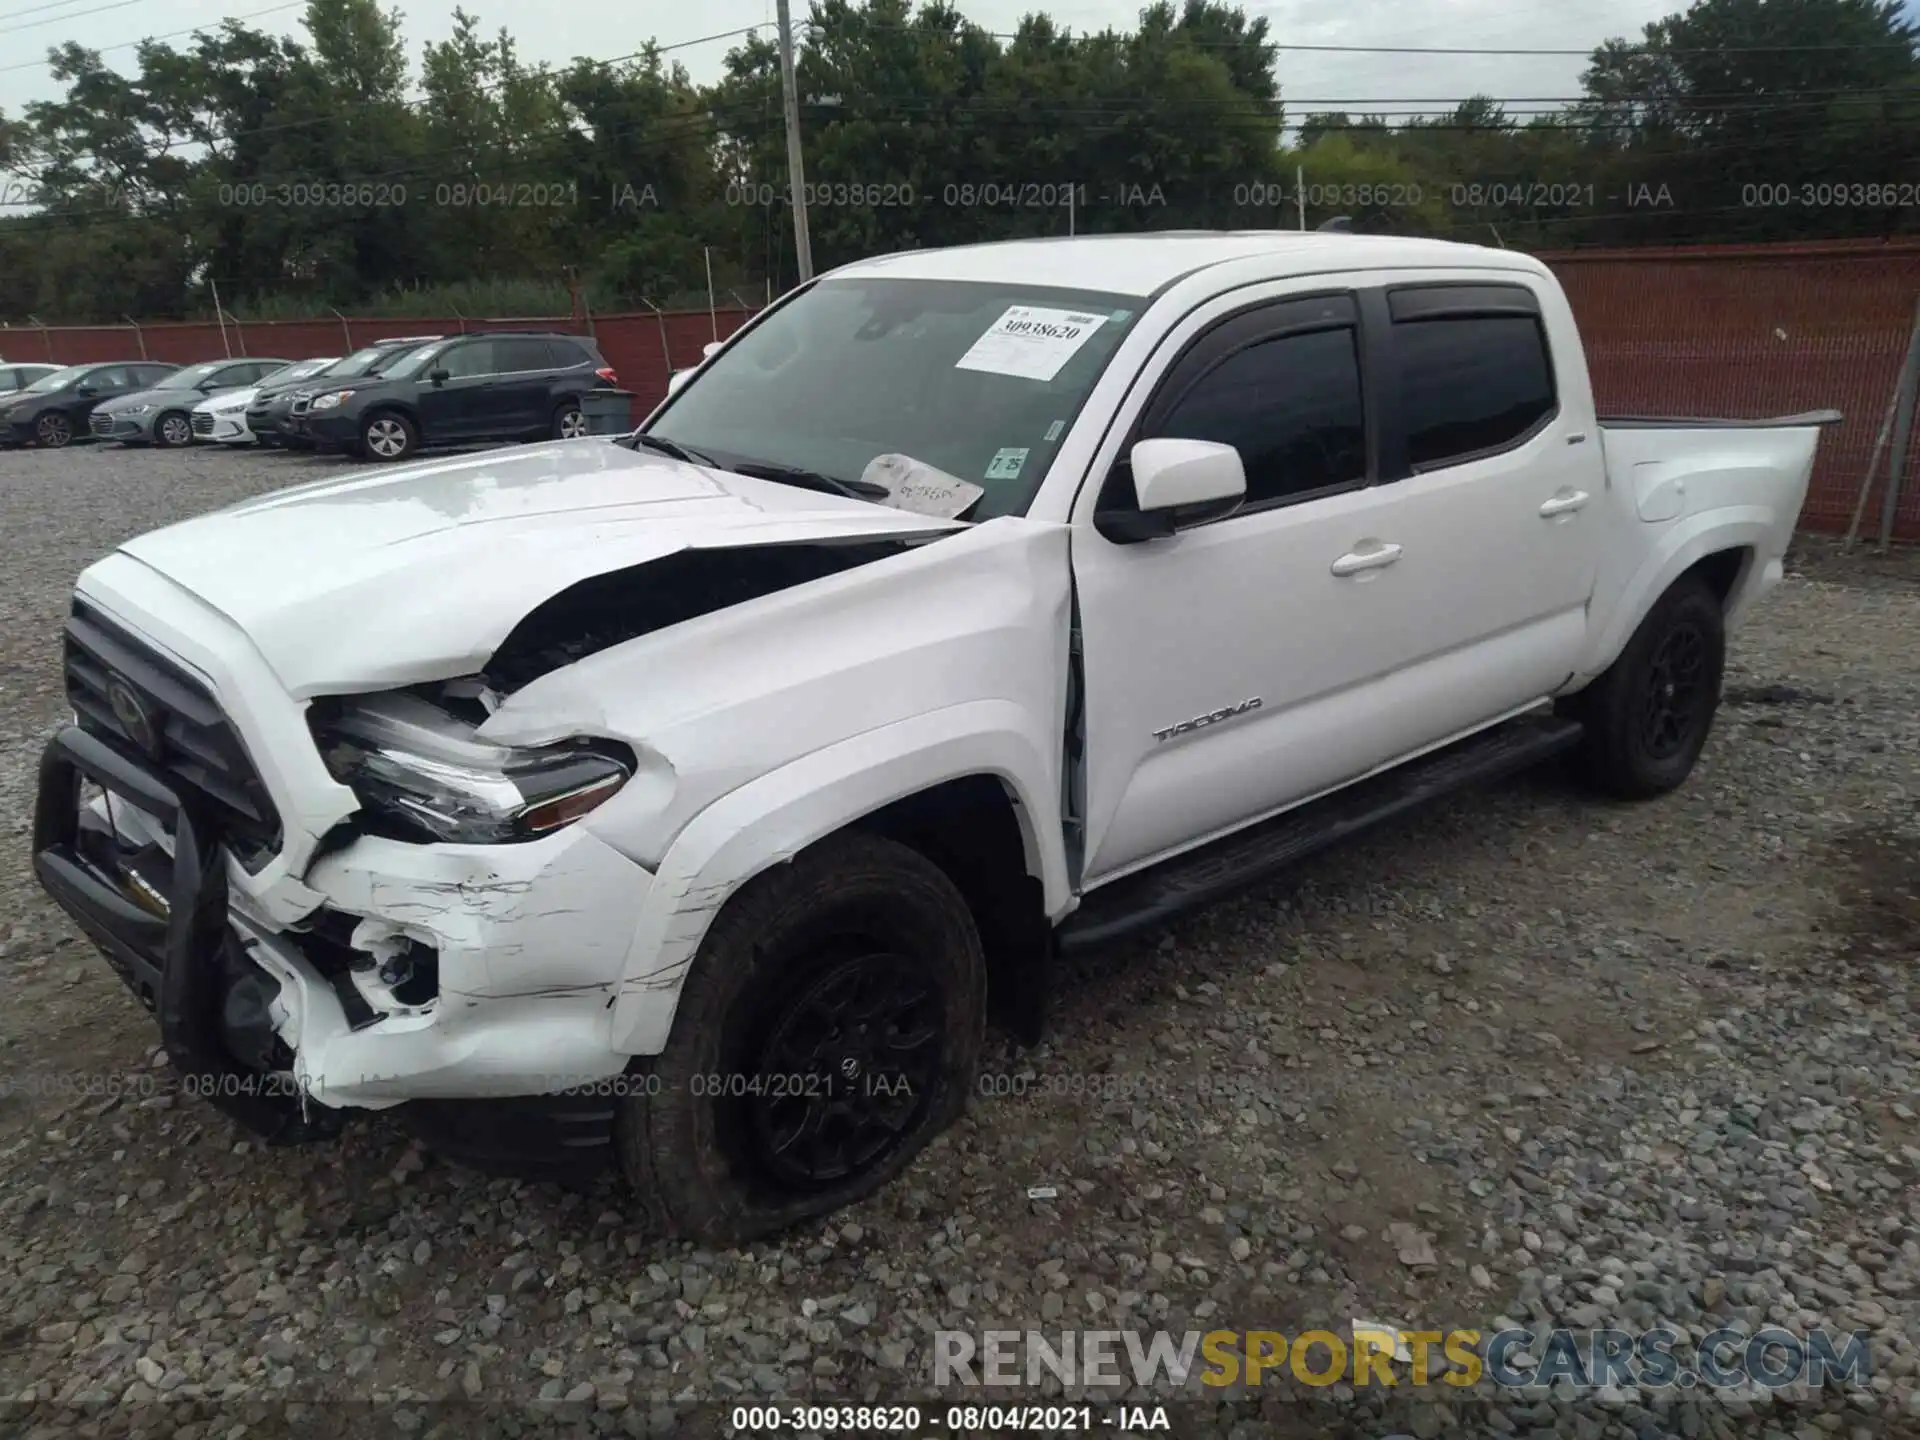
(55, 408)
(163, 414)
(268, 414)
(503, 385)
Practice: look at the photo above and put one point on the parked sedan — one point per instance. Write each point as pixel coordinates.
(18, 377)
(55, 408)
(223, 417)
(163, 415)
(501, 385)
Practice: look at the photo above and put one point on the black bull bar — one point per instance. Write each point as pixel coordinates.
(170, 955)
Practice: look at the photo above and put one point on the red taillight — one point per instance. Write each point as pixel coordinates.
(608, 377)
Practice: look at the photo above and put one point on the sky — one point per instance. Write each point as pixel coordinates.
(606, 29)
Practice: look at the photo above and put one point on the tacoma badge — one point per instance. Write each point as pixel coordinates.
(1200, 722)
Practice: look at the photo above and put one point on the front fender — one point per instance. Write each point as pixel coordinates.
(771, 819)
(1680, 547)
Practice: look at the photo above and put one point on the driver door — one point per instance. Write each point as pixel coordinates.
(454, 408)
(1216, 659)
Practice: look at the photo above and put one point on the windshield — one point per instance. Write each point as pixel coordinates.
(979, 379)
(59, 378)
(411, 362)
(299, 370)
(188, 378)
(367, 361)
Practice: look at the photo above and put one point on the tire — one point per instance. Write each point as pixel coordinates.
(1648, 715)
(173, 430)
(387, 436)
(841, 923)
(570, 421)
(52, 430)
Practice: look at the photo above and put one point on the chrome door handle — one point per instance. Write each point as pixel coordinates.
(1564, 504)
(1354, 561)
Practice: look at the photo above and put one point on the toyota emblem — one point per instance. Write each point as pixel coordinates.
(131, 711)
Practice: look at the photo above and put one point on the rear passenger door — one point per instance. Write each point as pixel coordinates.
(1497, 474)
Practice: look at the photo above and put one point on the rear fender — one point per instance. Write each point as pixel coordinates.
(773, 818)
(1676, 550)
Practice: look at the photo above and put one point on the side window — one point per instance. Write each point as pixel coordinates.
(476, 357)
(113, 378)
(149, 374)
(1470, 384)
(1290, 405)
(513, 356)
(9, 379)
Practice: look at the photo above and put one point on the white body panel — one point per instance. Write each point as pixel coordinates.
(762, 727)
(229, 412)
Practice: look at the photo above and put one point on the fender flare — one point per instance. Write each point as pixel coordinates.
(772, 818)
(1744, 527)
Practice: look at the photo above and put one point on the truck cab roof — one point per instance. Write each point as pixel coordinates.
(1144, 265)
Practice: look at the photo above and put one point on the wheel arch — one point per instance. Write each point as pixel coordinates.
(1721, 549)
(971, 772)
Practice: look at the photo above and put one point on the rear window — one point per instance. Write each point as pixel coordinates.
(1471, 385)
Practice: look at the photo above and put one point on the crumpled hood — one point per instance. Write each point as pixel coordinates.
(388, 577)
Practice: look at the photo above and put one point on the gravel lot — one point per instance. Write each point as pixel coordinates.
(1591, 1065)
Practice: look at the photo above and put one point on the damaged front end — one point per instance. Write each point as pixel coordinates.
(450, 944)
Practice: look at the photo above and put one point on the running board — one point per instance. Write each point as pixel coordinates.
(1224, 866)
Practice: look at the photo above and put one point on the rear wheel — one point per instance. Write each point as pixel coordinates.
(830, 1026)
(173, 429)
(53, 430)
(388, 435)
(1647, 717)
(569, 421)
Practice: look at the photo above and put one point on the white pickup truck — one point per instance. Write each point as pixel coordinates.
(682, 801)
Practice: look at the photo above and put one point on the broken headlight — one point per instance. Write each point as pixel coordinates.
(422, 774)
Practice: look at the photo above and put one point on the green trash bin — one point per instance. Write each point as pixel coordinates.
(608, 412)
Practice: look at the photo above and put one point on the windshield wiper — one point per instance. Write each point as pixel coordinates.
(811, 479)
(670, 448)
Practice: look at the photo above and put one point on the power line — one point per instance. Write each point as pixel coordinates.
(170, 35)
(62, 19)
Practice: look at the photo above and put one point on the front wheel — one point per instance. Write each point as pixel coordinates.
(1648, 715)
(53, 430)
(569, 422)
(388, 436)
(173, 429)
(830, 1026)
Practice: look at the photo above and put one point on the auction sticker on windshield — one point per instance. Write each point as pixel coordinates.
(1031, 341)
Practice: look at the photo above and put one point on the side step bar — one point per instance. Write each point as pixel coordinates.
(1236, 861)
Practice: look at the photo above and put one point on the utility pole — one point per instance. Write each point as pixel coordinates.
(796, 170)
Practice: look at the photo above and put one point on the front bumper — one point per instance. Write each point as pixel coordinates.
(228, 429)
(514, 953)
(161, 938)
(328, 429)
(128, 429)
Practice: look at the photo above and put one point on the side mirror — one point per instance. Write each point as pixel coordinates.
(87, 392)
(440, 376)
(712, 347)
(677, 379)
(1176, 483)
